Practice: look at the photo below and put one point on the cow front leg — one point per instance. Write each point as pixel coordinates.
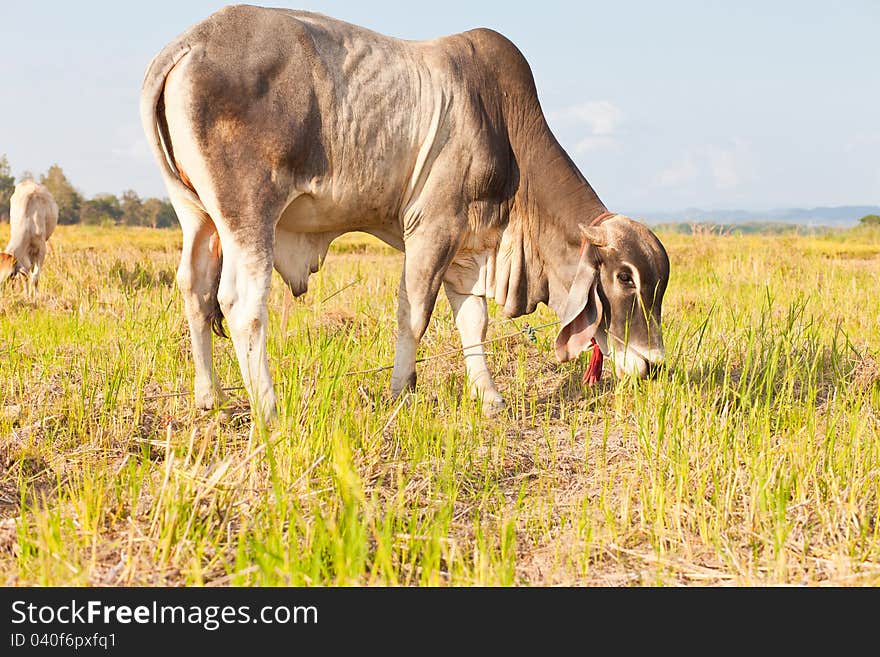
(243, 294)
(472, 319)
(197, 277)
(425, 262)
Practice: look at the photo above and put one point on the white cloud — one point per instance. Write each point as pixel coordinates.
(679, 173)
(603, 119)
(137, 149)
(727, 167)
(602, 116)
(724, 166)
(595, 143)
(863, 140)
(130, 143)
(730, 166)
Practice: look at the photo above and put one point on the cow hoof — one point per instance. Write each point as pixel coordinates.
(492, 407)
(210, 399)
(405, 398)
(265, 411)
(212, 404)
(402, 392)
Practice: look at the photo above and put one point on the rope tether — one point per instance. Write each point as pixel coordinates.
(594, 369)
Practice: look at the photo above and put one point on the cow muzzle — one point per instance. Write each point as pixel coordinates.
(640, 363)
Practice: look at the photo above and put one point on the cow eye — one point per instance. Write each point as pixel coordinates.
(626, 278)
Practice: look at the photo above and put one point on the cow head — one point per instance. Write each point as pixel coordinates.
(615, 297)
(7, 266)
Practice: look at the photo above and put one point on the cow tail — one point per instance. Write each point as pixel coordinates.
(216, 316)
(152, 119)
(152, 91)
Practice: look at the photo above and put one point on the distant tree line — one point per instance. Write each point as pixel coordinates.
(100, 210)
(745, 228)
(755, 227)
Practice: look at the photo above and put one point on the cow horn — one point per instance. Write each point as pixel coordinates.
(595, 235)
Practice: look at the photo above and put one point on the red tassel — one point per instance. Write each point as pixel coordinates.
(594, 370)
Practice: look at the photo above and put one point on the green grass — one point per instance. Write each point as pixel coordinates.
(753, 460)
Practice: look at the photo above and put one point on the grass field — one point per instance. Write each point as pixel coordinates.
(753, 460)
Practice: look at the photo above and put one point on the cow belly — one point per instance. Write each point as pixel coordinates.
(307, 214)
(323, 211)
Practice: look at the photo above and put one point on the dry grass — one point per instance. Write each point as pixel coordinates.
(754, 460)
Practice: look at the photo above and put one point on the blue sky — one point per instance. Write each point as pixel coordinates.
(663, 105)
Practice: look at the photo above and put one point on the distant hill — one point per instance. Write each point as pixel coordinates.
(835, 217)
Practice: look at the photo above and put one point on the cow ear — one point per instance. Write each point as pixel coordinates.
(583, 310)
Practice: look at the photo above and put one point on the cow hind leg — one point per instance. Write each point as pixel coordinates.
(243, 295)
(38, 254)
(425, 262)
(197, 276)
(21, 273)
(472, 318)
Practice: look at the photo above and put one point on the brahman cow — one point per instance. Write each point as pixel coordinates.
(276, 131)
(33, 215)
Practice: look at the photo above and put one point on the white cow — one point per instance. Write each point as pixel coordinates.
(276, 131)
(33, 215)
